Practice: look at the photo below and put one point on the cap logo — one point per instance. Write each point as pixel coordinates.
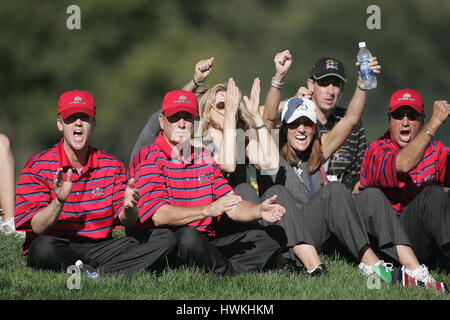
(181, 99)
(331, 64)
(77, 100)
(407, 96)
(303, 107)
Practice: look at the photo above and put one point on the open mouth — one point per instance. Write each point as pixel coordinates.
(78, 134)
(405, 135)
(301, 137)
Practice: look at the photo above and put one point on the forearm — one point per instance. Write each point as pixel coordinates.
(245, 211)
(410, 156)
(175, 216)
(227, 156)
(190, 86)
(7, 184)
(46, 218)
(272, 103)
(266, 150)
(356, 107)
(271, 106)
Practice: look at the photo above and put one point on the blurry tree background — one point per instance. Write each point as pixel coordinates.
(129, 53)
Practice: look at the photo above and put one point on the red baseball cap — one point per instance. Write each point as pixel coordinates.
(406, 97)
(180, 100)
(76, 101)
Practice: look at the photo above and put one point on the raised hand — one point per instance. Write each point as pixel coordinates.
(62, 188)
(373, 65)
(271, 211)
(283, 61)
(202, 69)
(232, 99)
(224, 204)
(252, 104)
(131, 197)
(441, 110)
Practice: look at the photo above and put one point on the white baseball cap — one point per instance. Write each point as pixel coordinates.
(299, 107)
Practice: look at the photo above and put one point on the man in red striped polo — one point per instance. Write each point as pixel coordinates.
(182, 187)
(411, 169)
(70, 197)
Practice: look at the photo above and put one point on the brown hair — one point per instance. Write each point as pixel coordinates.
(313, 154)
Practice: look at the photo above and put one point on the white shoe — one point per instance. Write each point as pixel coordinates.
(369, 270)
(420, 273)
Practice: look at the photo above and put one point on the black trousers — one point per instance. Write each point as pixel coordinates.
(383, 226)
(332, 214)
(235, 253)
(329, 219)
(426, 221)
(122, 256)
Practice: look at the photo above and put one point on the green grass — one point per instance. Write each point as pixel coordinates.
(17, 281)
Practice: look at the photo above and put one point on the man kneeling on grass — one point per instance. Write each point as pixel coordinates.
(182, 187)
(71, 196)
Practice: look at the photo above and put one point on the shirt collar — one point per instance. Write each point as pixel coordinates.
(65, 163)
(168, 150)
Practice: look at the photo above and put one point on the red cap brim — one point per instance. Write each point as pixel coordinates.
(68, 112)
(171, 111)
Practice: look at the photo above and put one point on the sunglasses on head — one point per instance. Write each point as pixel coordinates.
(410, 114)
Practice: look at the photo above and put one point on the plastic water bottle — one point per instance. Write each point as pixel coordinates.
(87, 270)
(369, 78)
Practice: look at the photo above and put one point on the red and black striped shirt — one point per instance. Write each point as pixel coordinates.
(91, 210)
(164, 179)
(379, 170)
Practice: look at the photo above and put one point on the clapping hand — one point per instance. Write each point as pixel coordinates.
(252, 104)
(131, 198)
(62, 188)
(232, 99)
(271, 211)
(224, 204)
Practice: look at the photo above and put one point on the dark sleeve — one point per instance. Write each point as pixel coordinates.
(362, 145)
(148, 134)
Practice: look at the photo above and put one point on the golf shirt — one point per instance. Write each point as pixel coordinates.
(379, 170)
(345, 164)
(91, 210)
(164, 179)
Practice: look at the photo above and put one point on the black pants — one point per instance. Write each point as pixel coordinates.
(289, 231)
(235, 253)
(383, 226)
(426, 221)
(126, 255)
(332, 214)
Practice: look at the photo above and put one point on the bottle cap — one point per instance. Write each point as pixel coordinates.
(79, 263)
(362, 44)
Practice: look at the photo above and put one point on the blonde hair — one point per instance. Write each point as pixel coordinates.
(313, 154)
(206, 101)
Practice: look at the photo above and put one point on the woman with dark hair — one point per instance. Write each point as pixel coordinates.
(328, 210)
